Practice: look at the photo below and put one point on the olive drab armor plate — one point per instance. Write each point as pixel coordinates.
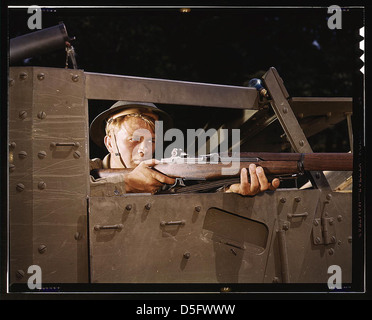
(287, 236)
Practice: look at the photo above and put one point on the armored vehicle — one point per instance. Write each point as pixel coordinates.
(289, 236)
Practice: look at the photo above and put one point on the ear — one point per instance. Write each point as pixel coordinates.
(109, 143)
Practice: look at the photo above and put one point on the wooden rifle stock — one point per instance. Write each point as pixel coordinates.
(274, 164)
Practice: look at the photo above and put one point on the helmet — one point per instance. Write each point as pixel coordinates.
(121, 108)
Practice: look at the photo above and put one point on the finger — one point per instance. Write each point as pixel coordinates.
(264, 184)
(244, 186)
(274, 184)
(149, 163)
(162, 178)
(254, 180)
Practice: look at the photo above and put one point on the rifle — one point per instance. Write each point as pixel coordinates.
(216, 170)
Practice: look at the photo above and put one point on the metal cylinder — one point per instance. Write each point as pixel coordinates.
(38, 42)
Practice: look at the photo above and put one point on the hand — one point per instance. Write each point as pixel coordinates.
(258, 183)
(144, 179)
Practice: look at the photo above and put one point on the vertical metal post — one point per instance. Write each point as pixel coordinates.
(289, 123)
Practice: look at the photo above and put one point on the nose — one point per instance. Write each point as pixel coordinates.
(142, 148)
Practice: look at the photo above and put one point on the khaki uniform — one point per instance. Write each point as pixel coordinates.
(105, 187)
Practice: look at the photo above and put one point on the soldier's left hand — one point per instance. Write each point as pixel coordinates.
(259, 182)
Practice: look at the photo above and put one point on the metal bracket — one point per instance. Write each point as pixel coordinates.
(289, 123)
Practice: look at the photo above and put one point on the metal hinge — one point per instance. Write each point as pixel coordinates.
(324, 231)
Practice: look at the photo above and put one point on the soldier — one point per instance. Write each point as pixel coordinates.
(127, 130)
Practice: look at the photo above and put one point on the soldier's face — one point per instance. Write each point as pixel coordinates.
(135, 141)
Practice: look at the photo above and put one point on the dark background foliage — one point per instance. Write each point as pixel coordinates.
(222, 46)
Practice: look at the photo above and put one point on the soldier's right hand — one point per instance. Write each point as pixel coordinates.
(143, 179)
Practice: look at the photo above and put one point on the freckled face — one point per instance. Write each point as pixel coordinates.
(135, 141)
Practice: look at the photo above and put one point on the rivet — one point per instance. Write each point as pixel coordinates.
(22, 154)
(301, 143)
(20, 187)
(333, 239)
(20, 274)
(317, 175)
(298, 199)
(11, 167)
(225, 289)
(186, 255)
(331, 221)
(350, 239)
(41, 185)
(329, 196)
(41, 154)
(148, 206)
(23, 75)
(77, 154)
(300, 115)
(41, 115)
(331, 251)
(22, 114)
(77, 236)
(128, 207)
(285, 226)
(41, 76)
(11, 82)
(329, 114)
(317, 240)
(197, 208)
(285, 110)
(75, 78)
(339, 218)
(283, 200)
(315, 223)
(42, 248)
(12, 145)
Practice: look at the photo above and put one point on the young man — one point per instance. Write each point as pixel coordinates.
(127, 130)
